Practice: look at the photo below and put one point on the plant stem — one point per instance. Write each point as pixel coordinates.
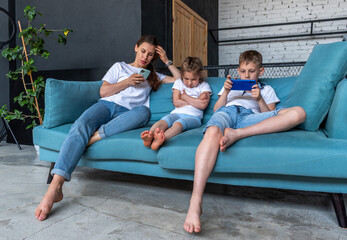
(36, 105)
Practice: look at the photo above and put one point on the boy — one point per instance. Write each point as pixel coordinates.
(238, 114)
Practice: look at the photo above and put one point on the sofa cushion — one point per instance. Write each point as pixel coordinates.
(65, 101)
(161, 102)
(125, 146)
(314, 87)
(314, 155)
(335, 126)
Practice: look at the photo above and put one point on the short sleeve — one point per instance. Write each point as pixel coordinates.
(161, 76)
(205, 87)
(112, 74)
(270, 95)
(178, 85)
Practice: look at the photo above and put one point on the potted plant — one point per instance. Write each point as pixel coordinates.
(31, 47)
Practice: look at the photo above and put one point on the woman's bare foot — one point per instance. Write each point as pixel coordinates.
(192, 222)
(96, 137)
(229, 138)
(147, 137)
(54, 194)
(158, 139)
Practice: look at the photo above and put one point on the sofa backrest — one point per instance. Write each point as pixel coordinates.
(161, 101)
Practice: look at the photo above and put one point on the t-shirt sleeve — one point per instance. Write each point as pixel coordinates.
(205, 87)
(112, 74)
(178, 85)
(221, 91)
(161, 76)
(270, 96)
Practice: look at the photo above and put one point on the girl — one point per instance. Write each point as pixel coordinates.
(191, 95)
(123, 106)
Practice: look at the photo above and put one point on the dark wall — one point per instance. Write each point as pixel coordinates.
(4, 35)
(104, 33)
(157, 20)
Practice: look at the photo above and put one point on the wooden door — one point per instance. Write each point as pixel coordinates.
(189, 34)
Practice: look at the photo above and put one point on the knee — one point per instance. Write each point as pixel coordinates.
(213, 132)
(299, 114)
(143, 111)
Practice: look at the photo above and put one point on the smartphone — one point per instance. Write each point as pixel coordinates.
(145, 73)
(242, 84)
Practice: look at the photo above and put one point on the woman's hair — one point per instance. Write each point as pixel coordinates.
(153, 77)
(251, 56)
(193, 65)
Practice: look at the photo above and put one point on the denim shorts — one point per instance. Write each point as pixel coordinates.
(187, 121)
(238, 117)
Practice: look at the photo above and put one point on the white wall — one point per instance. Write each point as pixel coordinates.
(236, 13)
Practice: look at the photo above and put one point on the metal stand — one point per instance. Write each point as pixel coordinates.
(6, 130)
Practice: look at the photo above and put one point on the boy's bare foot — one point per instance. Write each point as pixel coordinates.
(159, 139)
(229, 138)
(147, 137)
(192, 222)
(96, 137)
(53, 195)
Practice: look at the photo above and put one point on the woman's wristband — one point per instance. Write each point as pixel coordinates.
(169, 63)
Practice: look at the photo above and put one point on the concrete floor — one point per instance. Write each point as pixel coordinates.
(107, 205)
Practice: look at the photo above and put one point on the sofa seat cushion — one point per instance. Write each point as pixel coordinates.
(126, 146)
(295, 152)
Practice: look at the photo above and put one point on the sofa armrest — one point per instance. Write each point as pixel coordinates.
(65, 101)
(335, 126)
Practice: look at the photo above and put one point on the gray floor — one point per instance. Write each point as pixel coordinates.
(106, 205)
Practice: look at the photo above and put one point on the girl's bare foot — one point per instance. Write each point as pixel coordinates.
(147, 137)
(54, 194)
(229, 138)
(159, 139)
(96, 137)
(192, 222)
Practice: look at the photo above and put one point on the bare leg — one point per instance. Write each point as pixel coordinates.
(54, 194)
(147, 137)
(176, 129)
(96, 137)
(285, 120)
(161, 124)
(205, 160)
(159, 139)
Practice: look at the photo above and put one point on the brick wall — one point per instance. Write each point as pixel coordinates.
(236, 13)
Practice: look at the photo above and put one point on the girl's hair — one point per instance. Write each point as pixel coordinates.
(193, 65)
(153, 77)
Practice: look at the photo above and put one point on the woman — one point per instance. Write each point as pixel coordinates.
(123, 106)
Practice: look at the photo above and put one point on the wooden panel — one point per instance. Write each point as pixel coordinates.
(189, 34)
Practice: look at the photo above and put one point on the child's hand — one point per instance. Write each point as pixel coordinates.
(256, 93)
(162, 54)
(228, 84)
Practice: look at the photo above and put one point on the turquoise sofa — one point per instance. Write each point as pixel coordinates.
(311, 157)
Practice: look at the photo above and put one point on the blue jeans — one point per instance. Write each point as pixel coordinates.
(187, 121)
(237, 117)
(108, 118)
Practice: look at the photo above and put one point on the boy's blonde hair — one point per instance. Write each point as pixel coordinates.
(193, 65)
(251, 56)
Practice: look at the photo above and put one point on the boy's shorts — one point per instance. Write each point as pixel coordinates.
(187, 121)
(238, 117)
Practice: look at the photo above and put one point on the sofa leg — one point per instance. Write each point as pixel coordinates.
(340, 209)
(50, 177)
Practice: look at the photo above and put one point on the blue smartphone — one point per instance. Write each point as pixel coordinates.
(145, 73)
(242, 84)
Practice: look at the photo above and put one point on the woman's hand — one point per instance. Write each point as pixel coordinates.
(135, 79)
(162, 54)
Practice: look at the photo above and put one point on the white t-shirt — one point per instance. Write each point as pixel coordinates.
(194, 92)
(132, 96)
(245, 99)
